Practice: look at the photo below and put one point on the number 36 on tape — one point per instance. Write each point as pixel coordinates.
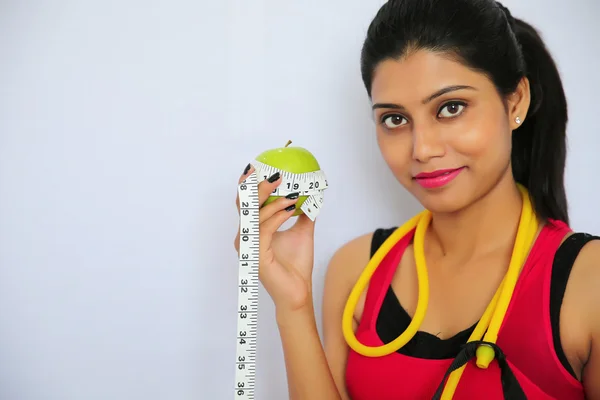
(311, 184)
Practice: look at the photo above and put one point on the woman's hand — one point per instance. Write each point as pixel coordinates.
(286, 257)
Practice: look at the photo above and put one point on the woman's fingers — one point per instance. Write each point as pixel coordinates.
(270, 225)
(265, 188)
(281, 207)
(280, 204)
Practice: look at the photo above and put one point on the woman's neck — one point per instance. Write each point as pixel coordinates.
(489, 224)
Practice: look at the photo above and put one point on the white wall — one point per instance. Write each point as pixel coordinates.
(124, 127)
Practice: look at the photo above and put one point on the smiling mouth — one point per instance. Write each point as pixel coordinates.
(435, 174)
(436, 179)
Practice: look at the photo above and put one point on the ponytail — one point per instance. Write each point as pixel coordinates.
(539, 145)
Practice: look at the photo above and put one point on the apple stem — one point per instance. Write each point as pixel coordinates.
(288, 143)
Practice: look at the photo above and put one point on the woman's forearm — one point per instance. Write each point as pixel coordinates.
(308, 373)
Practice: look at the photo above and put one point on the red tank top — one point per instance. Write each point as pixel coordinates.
(525, 338)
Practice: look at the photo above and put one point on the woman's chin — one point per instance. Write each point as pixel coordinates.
(441, 201)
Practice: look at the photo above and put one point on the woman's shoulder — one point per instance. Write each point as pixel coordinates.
(579, 254)
(577, 270)
(348, 262)
(351, 257)
(584, 278)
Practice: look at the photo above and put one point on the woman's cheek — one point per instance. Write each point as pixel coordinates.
(477, 139)
(399, 162)
(481, 132)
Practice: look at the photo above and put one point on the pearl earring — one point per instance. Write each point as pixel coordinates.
(518, 120)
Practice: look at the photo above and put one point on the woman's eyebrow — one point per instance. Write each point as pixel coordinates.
(435, 95)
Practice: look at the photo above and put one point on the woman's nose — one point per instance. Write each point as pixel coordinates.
(427, 144)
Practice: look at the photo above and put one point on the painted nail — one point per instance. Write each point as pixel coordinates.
(292, 196)
(273, 177)
(247, 169)
(290, 208)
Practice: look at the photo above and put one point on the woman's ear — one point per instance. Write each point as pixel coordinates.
(518, 104)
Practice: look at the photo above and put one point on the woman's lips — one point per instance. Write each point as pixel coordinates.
(437, 178)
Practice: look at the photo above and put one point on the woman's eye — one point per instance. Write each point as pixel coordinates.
(393, 121)
(452, 109)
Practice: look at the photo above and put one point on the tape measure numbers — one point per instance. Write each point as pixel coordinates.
(247, 321)
(311, 184)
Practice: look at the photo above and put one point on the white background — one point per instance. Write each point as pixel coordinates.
(124, 126)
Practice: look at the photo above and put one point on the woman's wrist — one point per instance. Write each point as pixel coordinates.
(287, 317)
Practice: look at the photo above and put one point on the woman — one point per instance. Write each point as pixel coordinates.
(470, 110)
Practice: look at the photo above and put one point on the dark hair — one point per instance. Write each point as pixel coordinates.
(483, 35)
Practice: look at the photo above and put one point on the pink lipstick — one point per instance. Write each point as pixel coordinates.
(437, 178)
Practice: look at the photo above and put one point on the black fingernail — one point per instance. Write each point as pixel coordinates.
(292, 196)
(290, 208)
(247, 169)
(273, 177)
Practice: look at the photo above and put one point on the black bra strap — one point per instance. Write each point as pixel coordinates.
(380, 235)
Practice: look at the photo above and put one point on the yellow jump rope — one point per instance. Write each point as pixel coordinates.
(493, 316)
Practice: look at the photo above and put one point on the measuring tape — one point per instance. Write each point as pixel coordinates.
(311, 184)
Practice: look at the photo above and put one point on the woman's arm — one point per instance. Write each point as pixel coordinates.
(308, 373)
(591, 371)
(316, 371)
(343, 272)
(589, 279)
(580, 317)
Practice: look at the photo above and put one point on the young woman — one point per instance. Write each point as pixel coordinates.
(470, 117)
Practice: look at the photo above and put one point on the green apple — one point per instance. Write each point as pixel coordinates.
(296, 160)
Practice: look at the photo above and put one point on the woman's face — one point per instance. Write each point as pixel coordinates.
(442, 129)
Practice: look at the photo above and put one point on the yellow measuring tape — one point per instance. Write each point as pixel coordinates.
(493, 316)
